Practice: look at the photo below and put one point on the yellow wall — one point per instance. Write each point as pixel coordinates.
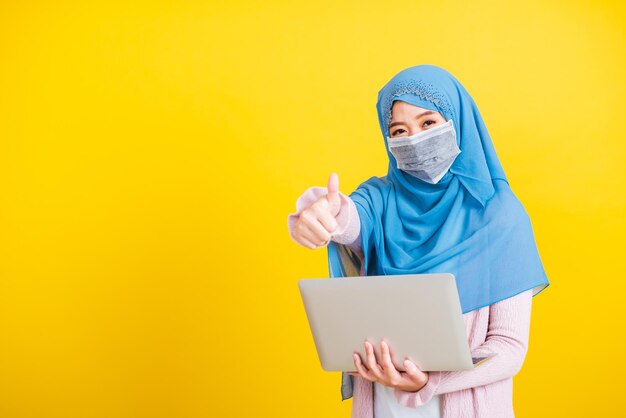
(150, 153)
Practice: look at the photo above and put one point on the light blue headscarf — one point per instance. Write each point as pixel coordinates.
(470, 223)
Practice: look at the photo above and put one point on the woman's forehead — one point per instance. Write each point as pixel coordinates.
(400, 107)
(401, 104)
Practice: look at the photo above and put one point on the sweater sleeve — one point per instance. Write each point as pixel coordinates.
(348, 229)
(507, 339)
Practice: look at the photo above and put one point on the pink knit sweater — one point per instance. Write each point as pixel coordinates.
(501, 329)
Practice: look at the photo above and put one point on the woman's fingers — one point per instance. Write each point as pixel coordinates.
(302, 230)
(414, 373)
(305, 236)
(370, 358)
(306, 242)
(322, 212)
(388, 374)
(310, 221)
(315, 225)
(393, 376)
(363, 372)
(327, 220)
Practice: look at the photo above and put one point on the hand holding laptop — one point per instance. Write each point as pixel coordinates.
(386, 373)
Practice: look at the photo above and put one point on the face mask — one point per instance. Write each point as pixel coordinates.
(426, 155)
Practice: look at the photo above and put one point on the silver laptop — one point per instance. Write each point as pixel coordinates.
(418, 315)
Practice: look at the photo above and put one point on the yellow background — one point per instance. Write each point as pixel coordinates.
(151, 151)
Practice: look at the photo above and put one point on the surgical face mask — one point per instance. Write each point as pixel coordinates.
(426, 155)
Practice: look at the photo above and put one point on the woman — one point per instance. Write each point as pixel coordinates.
(445, 205)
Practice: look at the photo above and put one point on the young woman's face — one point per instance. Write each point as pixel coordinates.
(407, 120)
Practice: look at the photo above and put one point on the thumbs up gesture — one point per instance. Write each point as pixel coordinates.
(316, 223)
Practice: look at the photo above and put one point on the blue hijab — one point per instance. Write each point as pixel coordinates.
(470, 223)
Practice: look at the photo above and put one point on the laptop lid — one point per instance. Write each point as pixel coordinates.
(418, 315)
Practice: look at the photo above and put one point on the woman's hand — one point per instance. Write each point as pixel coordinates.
(386, 373)
(316, 223)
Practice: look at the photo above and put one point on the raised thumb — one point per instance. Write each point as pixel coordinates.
(333, 194)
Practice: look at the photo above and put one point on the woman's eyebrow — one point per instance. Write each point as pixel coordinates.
(428, 112)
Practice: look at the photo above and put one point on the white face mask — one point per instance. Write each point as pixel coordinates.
(426, 155)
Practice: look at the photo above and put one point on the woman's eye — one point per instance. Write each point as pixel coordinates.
(426, 123)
